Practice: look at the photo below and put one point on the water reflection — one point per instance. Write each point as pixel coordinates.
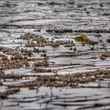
(58, 99)
(20, 16)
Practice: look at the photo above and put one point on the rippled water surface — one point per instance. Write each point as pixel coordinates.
(20, 16)
(58, 99)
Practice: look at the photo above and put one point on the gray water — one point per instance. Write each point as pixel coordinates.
(37, 16)
(58, 99)
(20, 16)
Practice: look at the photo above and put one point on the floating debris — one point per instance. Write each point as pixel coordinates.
(7, 91)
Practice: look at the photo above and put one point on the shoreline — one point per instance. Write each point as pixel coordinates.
(69, 80)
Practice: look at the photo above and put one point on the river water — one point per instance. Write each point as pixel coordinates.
(58, 99)
(37, 16)
(20, 16)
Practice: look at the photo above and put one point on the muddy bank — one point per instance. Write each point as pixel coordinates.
(70, 80)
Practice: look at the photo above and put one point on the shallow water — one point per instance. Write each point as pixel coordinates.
(58, 99)
(37, 16)
(18, 17)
